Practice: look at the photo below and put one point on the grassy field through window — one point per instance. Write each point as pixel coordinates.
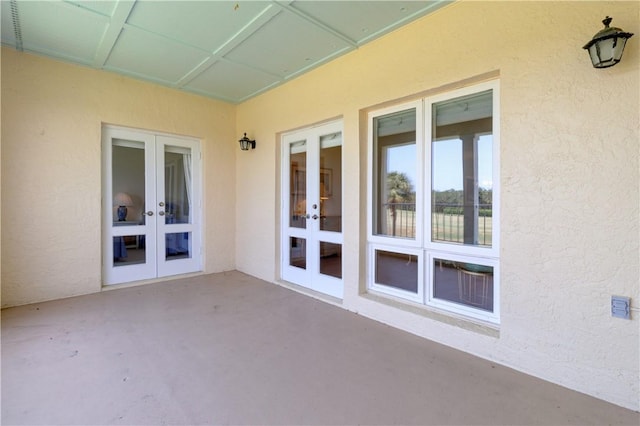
(401, 222)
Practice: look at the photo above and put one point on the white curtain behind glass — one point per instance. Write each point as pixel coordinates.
(186, 158)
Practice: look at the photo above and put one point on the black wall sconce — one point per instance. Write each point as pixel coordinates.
(245, 142)
(605, 48)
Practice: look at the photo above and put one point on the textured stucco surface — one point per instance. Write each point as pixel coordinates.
(52, 115)
(570, 179)
(569, 174)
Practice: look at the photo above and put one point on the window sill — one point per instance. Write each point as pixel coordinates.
(449, 318)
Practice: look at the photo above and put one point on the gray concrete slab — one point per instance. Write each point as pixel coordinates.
(231, 349)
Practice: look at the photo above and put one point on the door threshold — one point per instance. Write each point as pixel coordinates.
(309, 292)
(109, 287)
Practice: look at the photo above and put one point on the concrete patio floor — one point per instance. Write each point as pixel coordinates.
(231, 349)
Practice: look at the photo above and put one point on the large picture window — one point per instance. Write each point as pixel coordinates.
(433, 187)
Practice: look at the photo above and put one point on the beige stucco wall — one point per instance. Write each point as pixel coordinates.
(51, 170)
(570, 138)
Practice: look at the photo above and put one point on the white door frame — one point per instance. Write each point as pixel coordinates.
(151, 231)
(311, 235)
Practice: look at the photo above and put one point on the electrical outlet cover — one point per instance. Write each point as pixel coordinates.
(620, 307)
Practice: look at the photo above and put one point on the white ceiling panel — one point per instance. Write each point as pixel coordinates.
(285, 45)
(60, 29)
(228, 50)
(228, 81)
(204, 24)
(8, 32)
(364, 20)
(141, 53)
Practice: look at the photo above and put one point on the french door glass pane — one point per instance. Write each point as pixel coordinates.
(395, 174)
(177, 184)
(298, 184)
(331, 259)
(129, 250)
(467, 284)
(330, 189)
(178, 245)
(397, 270)
(128, 182)
(298, 252)
(462, 170)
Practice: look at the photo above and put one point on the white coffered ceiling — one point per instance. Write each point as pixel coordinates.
(227, 50)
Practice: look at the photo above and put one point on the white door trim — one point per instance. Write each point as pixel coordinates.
(150, 228)
(310, 236)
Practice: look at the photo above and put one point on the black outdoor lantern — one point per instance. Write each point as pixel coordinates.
(245, 142)
(605, 48)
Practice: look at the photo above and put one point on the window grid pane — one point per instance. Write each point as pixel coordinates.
(462, 170)
(467, 284)
(396, 172)
(397, 270)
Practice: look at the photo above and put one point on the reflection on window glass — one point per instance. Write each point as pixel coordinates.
(452, 167)
(331, 259)
(462, 171)
(298, 252)
(395, 171)
(467, 284)
(128, 182)
(178, 245)
(177, 184)
(397, 270)
(129, 250)
(330, 181)
(298, 184)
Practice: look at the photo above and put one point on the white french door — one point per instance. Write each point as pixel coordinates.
(151, 205)
(312, 208)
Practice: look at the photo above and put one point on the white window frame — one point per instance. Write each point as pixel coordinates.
(394, 291)
(494, 250)
(419, 184)
(466, 310)
(422, 246)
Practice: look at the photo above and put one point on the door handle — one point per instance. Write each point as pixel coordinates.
(161, 213)
(149, 213)
(315, 216)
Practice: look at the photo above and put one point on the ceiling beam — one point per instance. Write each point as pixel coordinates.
(118, 19)
(244, 33)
